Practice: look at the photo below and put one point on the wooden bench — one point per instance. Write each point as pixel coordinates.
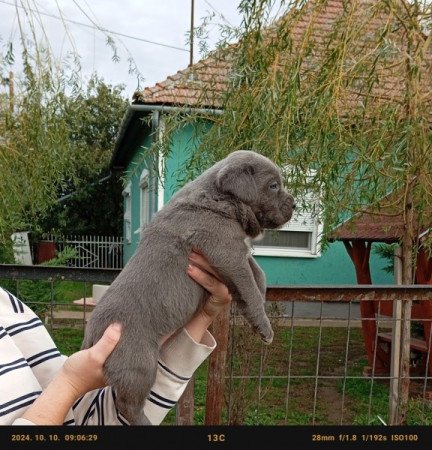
(87, 305)
(378, 343)
(418, 345)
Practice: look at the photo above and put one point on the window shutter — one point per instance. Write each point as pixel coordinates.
(300, 221)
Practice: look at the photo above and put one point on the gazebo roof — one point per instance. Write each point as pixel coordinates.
(383, 222)
(371, 227)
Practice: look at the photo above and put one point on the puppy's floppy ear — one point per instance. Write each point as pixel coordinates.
(239, 182)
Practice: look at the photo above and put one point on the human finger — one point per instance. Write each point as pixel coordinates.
(209, 282)
(106, 344)
(200, 260)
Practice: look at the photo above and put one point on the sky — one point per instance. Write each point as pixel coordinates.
(152, 32)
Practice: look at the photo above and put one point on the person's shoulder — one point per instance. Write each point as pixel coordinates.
(10, 304)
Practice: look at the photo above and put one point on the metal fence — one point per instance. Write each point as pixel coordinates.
(317, 371)
(100, 252)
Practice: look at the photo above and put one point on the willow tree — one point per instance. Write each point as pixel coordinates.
(40, 156)
(340, 93)
(35, 157)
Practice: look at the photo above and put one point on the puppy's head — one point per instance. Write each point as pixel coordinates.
(256, 181)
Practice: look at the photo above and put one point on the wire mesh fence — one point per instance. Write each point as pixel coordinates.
(320, 368)
(332, 361)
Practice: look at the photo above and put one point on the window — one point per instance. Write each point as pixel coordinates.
(144, 200)
(127, 218)
(299, 237)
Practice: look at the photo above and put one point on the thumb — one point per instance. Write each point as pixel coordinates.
(105, 345)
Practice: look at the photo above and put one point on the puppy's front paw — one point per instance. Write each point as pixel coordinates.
(268, 337)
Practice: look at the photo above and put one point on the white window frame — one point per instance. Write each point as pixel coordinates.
(302, 220)
(127, 217)
(144, 213)
(161, 165)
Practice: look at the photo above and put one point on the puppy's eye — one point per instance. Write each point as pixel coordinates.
(274, 186)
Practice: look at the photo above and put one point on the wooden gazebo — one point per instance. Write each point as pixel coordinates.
(358, 234)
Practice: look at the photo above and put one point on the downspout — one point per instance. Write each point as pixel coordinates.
(161, 163)
(157, 183)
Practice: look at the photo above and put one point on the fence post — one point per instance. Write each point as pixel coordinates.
(216, 370)
(393, 416)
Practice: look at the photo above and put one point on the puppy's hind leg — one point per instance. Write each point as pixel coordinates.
(132, 412)
(132, 384)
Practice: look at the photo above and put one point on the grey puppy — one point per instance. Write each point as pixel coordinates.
(153, 296)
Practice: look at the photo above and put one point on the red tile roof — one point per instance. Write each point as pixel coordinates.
(204, 83)
(384, 223)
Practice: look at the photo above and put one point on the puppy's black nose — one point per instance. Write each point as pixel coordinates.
(293, 206)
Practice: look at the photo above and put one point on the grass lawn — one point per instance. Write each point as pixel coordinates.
(310, 376)
(258, 390)
(41, 295)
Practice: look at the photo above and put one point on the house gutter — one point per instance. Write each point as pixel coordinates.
(133, 107)
(164, 108)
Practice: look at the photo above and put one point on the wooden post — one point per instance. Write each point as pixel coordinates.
(407, 241)
(396, 345)
(216, 370)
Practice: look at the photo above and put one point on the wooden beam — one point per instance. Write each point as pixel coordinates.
(216, 370)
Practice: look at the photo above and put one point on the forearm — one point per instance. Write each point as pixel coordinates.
(198, 326)
(52, 406)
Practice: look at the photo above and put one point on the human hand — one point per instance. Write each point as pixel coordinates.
(83, 370)
(200, 270)
(81, 373)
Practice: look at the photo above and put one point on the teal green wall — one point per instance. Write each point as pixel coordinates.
(175, 161)
(183, 142)
(332, 267)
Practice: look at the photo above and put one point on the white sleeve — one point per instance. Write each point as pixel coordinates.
(179, 358)
(29, 358)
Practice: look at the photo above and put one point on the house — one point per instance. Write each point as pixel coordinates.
(289, 256)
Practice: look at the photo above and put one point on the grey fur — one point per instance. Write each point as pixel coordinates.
(153, 295)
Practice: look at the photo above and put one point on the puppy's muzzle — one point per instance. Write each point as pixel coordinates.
(287, 207)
